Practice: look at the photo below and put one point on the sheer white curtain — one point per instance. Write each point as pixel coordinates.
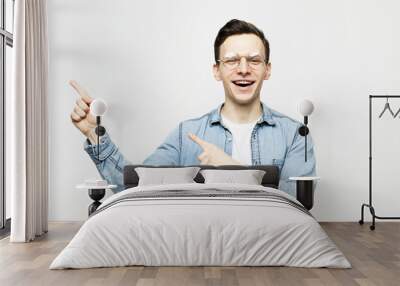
(27, 123)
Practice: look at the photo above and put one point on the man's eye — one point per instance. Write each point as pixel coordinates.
(231, 61)
(255, 61)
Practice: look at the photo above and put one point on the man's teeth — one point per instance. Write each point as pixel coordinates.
(243, 82)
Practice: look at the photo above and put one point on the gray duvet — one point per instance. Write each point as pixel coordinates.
(201, 224)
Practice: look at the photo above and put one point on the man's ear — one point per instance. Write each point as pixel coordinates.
(267, 72)
(217, 73)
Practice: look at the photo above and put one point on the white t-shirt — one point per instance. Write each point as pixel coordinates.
(241, 138)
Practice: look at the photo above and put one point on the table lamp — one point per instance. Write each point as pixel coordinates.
(306, 107)
(97, 188)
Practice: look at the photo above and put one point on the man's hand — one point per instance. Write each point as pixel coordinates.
(212, 155)
(80, 116)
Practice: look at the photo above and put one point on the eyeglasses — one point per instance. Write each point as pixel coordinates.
(254, 62)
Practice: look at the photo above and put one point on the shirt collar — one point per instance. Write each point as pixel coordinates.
(266, 117)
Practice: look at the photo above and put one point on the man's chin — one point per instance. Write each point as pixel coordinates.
(243, 99)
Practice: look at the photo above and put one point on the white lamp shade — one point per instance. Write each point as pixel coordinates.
(306, 107)
(98, 107)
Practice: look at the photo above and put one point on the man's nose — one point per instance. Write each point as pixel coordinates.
(243, 66)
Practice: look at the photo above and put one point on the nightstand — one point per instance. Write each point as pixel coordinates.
(305, 190)
(96, 193)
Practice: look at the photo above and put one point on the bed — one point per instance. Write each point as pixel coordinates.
(201, 224)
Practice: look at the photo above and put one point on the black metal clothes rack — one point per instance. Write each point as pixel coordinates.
(369, 205)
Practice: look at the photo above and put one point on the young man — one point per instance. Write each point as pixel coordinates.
(242, 130)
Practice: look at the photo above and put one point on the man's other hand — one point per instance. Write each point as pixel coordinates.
(80, 116)
(212, 155)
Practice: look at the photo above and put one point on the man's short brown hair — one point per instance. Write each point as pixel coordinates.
(238, 27)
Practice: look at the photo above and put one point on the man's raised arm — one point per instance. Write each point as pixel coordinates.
(112, 162)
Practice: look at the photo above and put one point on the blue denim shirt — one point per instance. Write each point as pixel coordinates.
(275, 140)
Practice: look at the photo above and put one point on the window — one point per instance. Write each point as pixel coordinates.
(6, 44)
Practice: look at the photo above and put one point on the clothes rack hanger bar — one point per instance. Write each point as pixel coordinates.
(384, 96)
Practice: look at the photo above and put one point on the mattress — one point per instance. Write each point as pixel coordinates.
(201, 225)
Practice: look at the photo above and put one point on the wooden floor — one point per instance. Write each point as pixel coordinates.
(374, 255)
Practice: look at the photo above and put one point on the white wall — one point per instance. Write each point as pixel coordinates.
(151, 61)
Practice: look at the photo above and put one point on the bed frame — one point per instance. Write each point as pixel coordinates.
(270, 179)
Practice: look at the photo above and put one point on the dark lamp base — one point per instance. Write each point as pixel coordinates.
(305, 193)
(96, 195)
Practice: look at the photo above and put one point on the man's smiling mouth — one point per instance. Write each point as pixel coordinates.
(243, 83)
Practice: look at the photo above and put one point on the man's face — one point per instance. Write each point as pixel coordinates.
(242, 68)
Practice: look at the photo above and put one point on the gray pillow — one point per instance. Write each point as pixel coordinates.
(249, 177)
(162, 176)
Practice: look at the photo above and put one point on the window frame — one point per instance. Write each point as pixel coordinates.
(6, 39)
